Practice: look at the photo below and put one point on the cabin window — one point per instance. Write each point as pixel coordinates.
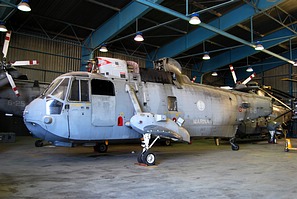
(53, 106)
(172, 103)
(102, 87)
(61, 90)
(79, 90)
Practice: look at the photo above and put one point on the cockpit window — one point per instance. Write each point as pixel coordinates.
(61, 90)
(102, 87)
(51, 87)
(79, 90)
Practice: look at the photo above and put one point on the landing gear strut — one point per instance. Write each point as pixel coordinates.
(234, 146)
(145, 156)
(272, 138)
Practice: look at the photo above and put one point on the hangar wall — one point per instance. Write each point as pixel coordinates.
(273, 78)
(55, 57)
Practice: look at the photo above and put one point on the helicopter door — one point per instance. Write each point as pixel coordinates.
(79, 109)
(103, 103)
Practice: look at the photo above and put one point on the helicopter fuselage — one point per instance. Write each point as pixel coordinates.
(82, 107)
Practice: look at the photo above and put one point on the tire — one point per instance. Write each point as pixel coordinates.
(165, 142)
(38, 143)
(101, 148)
(149, 158)
(140, 158)
(235, 148)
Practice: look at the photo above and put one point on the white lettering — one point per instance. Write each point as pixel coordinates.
(201, 121)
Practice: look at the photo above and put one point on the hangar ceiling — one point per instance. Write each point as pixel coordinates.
(229, 29)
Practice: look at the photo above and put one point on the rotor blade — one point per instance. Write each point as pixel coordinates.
(233, 74)
(249, 78)
(288, 79)
(25, 63)
(13, 86)
(6, 43)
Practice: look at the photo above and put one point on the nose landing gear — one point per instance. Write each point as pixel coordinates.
(145, 156)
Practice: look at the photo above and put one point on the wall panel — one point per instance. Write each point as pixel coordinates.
(55, 57)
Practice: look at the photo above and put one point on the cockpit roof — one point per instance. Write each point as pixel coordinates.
(83, 74)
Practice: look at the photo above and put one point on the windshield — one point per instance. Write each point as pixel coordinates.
(60, 91)
(51, 87)
(57, 88)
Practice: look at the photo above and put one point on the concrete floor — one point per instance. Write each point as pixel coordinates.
(200, 170)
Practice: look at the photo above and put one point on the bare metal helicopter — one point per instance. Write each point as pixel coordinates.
(16, 91)
(120, 101)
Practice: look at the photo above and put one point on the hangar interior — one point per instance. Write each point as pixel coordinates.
(63, 36)
(64, 42)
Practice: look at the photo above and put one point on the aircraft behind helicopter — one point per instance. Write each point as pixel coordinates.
(12, 104)
(119, 101)
(281, 112)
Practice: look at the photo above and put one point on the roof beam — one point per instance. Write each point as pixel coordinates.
(113, 26)
(267, 64)
(238, 53)
(210, 30)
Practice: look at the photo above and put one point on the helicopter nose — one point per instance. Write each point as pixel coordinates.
(34, 118)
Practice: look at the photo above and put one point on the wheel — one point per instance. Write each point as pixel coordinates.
(235, 147)
(38, 143)
(149, 158)
(101, 148)
(286, 150)
(166, 142)
(139, 158)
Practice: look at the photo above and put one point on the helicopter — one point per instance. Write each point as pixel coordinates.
(16, 91)
(118, 100)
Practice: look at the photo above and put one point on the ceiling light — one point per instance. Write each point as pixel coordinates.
(24, 6)
(206, 56)
(195, 19)
(249, 69)
(259, 46)
(2, 27)
(103, 49)
(214, 74)
(138, 37)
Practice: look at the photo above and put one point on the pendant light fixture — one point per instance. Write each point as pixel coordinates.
(138, 36)
(24, 6)
(206, 54)
(103, 48)
(259, 46)
(195, 19)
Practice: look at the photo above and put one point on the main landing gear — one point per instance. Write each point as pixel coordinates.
(145, 156)
(38, 143)
(272, 139)
(101, 147)
(234, 146)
